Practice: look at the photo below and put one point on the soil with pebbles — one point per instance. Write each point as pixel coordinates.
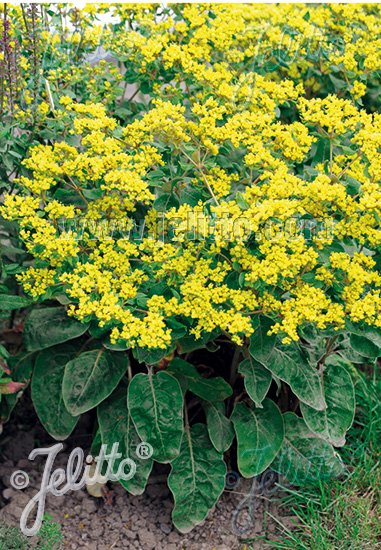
(141, 522)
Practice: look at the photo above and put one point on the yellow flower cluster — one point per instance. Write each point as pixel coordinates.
(332, 114)
(228, 192)
(36, 281)
(311, 305)
(362, 290)
(210, 44)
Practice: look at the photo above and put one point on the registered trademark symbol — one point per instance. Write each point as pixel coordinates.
(144, 450)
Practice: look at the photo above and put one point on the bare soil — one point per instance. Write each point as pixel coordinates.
(120, 520)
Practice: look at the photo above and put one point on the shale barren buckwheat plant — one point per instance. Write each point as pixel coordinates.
(198, 232)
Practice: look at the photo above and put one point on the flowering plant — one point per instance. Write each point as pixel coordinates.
(213, 256)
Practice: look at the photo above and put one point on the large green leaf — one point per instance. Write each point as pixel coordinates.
(210, 389)
(116, 426)
(304, 457)
(347, 352)
(371, 333)
(91, 377)
(364, 346)
(155, 403)
(364, 340)
(47, 327)
(332, 423)
(261, 344)
(260, 434)
(197, 479)
(257, 379)
(9, 302)
(288, 364)
(47, 391)
(220, 427)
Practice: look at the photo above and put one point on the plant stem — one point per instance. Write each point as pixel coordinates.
(199, 168)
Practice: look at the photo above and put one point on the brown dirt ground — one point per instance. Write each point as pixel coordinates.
(141, 522)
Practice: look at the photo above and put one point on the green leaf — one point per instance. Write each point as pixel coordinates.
(332, 423)
(370, 333)
(151, 356)
(364, 346)
(189, 343)
(155, 403)
(9, 302)
(178, 329)
(260, 434)
(47, 327)
(116, 426)
(197, 479)
(90, 378)
(7, 404)
(257, 379)
(165, 202)
(96, 443)
(21, 366)
(47, 391)
(261, 344)
(189, 195)
(305, 458)
(220, 428)
(121, 345)
(210, 389)
(4, 353)
(347, 353)
(288, 364)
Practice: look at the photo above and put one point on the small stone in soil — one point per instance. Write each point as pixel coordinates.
(9, 493)
(166, 528)
(147, 539)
